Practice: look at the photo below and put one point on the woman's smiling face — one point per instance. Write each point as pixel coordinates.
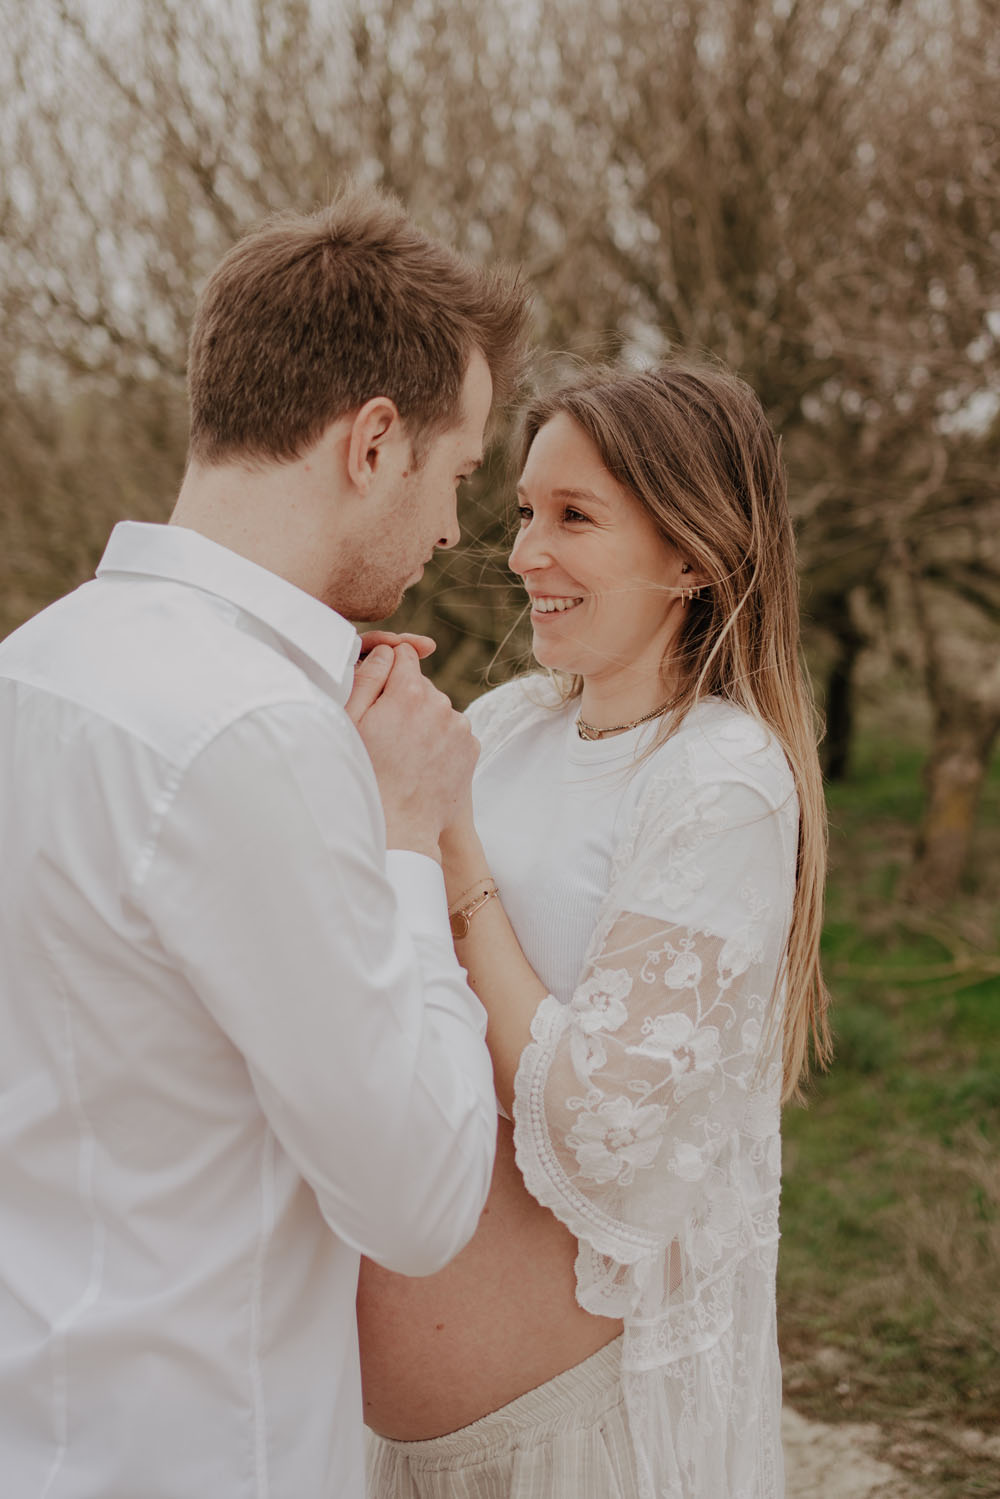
(604, 585)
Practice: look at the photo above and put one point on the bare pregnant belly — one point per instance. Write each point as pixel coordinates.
(440, 1351)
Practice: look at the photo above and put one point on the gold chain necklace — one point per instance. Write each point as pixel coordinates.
(588, 730)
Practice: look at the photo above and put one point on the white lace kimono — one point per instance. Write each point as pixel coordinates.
(647, 1107)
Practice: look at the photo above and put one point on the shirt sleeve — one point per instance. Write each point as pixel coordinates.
(626, 1098)
(331, 968)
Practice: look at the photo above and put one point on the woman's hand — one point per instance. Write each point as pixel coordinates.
(422, 644)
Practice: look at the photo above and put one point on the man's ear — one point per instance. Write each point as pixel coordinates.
(375, 428)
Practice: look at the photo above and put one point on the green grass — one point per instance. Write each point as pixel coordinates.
(889, 1283)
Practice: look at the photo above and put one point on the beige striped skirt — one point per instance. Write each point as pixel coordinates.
(568, 1439)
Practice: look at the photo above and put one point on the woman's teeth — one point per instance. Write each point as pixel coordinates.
(554, 606)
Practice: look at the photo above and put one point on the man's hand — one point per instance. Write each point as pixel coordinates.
(422, 751)
(370, 677)
(372, 670)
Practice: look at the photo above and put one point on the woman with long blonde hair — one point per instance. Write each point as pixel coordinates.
(637, 895)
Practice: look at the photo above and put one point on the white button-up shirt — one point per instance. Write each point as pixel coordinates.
(236, 1048)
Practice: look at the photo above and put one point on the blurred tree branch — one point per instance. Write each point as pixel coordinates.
(807, 190)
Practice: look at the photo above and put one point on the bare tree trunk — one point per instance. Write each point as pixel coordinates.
(964, 735)
(840, 706)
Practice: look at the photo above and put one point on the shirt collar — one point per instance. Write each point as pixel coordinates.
(183, 556)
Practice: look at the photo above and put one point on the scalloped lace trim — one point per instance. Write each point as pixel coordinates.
(537, 1160)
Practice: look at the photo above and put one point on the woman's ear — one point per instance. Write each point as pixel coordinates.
(692, 577)
(374, 430)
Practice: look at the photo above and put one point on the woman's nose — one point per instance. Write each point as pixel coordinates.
(526, 552)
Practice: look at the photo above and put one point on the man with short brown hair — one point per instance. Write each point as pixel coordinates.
(236, 1049)
(349, 302)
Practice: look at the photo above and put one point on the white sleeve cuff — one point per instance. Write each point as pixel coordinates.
(419, 885)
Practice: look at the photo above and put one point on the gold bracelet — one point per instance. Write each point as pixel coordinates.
(460, 918)
(479, 884)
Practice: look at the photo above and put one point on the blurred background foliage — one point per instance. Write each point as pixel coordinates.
(807, 188)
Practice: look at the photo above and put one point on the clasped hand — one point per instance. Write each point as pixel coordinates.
(422, 751)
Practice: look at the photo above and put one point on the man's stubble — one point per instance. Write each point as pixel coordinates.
(372, 574)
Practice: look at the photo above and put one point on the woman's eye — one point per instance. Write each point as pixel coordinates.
(525, 513)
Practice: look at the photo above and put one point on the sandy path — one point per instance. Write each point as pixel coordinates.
(837, 1462)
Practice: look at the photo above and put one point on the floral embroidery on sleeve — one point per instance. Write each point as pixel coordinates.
(617, 1138)
(640, 1089)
